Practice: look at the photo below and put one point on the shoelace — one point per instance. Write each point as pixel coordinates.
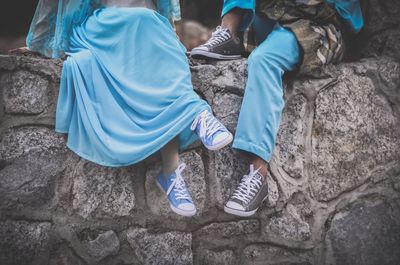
(249, 186)
(208, 124)
(219, 35)
(179, 184)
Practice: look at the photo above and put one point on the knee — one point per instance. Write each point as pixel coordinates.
(143, 12)
(140, 13)
(263, 58)
(279, 51)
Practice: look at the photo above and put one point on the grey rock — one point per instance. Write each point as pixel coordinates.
(345, 148)
(30, 180)
(24, 242)
(106, 244)
(366, 233)
(194, 177)
(230, 229)
(264, 254)
(386, 43)
(226, 108)
(227, 166)
(221, 76)
(288, 225)
(291, 137)
(21, 141)
(102, 191)
(32, 157)
(65, 256)
(161, 248)
(216, 257)
(273, 192)
(24, 92)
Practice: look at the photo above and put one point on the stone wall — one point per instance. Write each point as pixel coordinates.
(334, 182)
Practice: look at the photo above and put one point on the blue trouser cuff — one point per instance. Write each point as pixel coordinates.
(263, 153)
(248, 6)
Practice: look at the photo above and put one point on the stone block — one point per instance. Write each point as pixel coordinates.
(161, 248)
(24, 242)
(271, 255)
(230, 229)
(354, 131)
(24, 92)
(106, 244)
(100, 191)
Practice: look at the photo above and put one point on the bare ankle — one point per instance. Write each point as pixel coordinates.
(232, 21)
(261, 165)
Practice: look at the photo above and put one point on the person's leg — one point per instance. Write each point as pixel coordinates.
(260, 114)
(237, 15)
(171, 180)
(170, 157)
(224, 42)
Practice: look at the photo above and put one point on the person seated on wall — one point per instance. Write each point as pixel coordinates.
(291, 35)
(126, 90)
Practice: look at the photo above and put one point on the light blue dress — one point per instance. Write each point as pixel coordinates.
(126, 87)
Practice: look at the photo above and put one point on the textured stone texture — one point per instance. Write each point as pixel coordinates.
(291, 151)
(230, 229)
(161, 248)
(268, 255)
(223, 257)
(334, 183)
(24, 242)
(288, 226)
(355, 131)
(32, 159)
(372, 230)
(102, 191)
(104, 245)
(24, 92)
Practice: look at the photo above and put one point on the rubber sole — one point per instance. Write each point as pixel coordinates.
(238, 212)
(174, 209)
(222, 144)
(199, 54)
(242, 213)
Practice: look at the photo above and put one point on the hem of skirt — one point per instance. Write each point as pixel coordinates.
(107, 164)
(252, 148)
(60, 131)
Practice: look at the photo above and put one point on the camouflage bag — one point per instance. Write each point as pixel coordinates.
(316, 25)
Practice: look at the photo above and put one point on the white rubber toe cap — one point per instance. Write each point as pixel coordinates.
(200, 48)
(235, 206)
(187, 207)
(221, 137)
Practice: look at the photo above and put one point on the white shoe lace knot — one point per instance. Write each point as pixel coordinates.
(249, 186)
(178, 183)
(220, 35)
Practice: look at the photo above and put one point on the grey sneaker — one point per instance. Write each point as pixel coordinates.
(249, 195)
(221, 46)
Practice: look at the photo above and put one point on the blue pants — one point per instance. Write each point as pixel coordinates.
(277, 52)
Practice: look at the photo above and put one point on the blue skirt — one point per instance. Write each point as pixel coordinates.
(125, 88)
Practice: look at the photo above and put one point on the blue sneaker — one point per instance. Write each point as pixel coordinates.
(178, 195)
(211, 131)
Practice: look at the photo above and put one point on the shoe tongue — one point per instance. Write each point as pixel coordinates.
(257, 175)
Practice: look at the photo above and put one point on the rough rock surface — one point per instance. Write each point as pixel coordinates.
(334, 182)
(161, 248)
